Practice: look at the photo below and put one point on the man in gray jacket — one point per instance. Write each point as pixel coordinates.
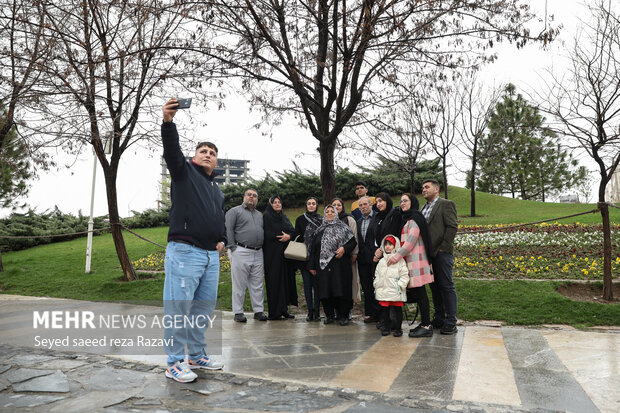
(244, 229)
(442, 224)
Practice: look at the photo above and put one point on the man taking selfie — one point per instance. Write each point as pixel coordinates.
(196, 238)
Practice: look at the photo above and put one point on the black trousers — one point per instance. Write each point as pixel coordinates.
(419, 295)
(444, 293)
(371, 305)
(392, 318)
(333, 304)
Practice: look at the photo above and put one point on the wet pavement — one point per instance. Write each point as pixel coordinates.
(292, 365)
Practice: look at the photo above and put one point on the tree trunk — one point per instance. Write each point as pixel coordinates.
(328, 175)
(412, 181)
(445, 178)
(608, 291)
(472, 181)
(117, 234)
(522, 185)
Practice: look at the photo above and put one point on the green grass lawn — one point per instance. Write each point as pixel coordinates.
(57, 270)
(529, 303)
(494, 209)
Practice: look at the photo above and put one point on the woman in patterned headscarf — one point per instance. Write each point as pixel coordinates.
(330, 243)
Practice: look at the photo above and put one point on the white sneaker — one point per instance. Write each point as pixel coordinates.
(180, 372)
(205, 362)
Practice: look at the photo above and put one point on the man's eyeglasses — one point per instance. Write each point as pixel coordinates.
(252, 195)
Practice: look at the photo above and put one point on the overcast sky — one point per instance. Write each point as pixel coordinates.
(231, 129)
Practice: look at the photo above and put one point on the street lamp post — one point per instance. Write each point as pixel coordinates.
(107, 145)
(89, 242)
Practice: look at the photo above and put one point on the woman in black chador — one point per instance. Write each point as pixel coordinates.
(332, 241)
(279, 272)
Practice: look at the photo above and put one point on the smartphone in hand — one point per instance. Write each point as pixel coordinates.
(184, 103)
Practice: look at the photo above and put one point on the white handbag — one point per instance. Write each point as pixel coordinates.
(296, 250)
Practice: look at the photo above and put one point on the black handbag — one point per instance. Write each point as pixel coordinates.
(411, 299)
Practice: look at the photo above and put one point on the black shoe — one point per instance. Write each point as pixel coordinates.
(370, 319)
(328, 320)
(344, 321)
(448, 329)
(420, 331)
(288, 315)
(310, 316)
(240, 318)
(398, 333)
(380, 325)
(385, 332)
(270, 318)
(260, 316)
(317, 315)
(437, 323)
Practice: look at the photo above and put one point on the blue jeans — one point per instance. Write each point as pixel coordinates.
(444, 293)
(311, 291)
(190, 290)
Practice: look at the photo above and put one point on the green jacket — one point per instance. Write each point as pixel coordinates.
(442, 225)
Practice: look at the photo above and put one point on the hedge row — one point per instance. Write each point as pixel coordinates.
(293, 186)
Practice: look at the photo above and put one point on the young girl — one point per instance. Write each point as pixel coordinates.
(390, 286)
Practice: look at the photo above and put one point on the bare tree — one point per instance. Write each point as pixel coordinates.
(109, 60)
(23, 49)
(442, 113)
(333, 62)
(586, 103)
(477, 103)
(398, 137)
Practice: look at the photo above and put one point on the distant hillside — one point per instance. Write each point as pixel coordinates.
(495, 209)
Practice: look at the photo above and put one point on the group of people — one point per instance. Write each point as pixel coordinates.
(394, 252)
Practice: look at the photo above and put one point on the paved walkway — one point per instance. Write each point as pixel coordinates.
(293, 365)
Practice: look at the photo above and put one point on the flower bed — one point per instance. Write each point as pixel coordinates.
(155, 262)
(544, 251)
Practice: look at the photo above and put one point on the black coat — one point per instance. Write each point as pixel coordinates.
(279, 271)
(366, 245)
(390, 224)
(336, 278)
(301, 223)
(197, 212)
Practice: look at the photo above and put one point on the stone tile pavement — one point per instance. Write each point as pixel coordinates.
(93, 383)
(297, 366)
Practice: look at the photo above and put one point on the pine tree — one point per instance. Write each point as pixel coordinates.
(15, 168)
(521, 156)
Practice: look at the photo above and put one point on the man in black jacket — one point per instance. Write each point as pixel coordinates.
(196, 238)
(365, 264)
